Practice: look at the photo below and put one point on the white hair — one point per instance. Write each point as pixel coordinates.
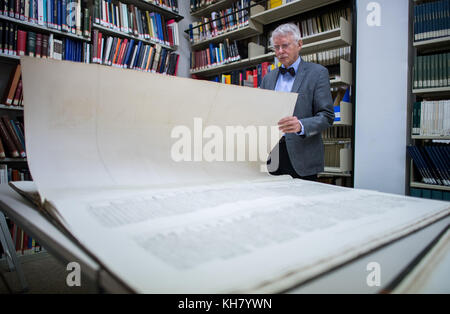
(286, 29)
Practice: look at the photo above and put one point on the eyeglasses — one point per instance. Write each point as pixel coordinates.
(283, 46)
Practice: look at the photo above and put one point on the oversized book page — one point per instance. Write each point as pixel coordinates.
(101, 151)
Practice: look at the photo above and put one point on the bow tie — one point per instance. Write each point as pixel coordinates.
(290, 70)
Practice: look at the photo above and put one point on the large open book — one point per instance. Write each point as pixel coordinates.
(134, 167)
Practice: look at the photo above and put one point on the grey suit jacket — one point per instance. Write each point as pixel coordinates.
(314, 109)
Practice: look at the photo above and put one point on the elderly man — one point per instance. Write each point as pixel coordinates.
(300, 152)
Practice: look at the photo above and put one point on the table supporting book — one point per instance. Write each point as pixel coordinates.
(394, 258)
(24, 214)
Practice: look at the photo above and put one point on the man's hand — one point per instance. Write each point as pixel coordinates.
(289, 125)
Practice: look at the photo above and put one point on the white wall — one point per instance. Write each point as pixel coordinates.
(381, 95)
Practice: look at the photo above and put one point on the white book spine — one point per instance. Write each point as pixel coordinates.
(442, 117)
(40, 12)
(101, 50)
(78, 18)
(51, 46)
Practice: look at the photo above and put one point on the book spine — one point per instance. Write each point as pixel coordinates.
(13, 135)
(2, 150)
(13, 86)
(8, 141)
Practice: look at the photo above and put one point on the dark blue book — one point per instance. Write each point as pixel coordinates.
(79, 51)
(159, 25)
(415, 192)
(65, 57)
(417, 162)
(128, 53)
(64, 14)
(436, 195)
(139, 46)
(18, 133)
(426, 193)
(445, 158)
(162, 62)
(59, 4)
(420, 165)
(435, 162)
(211, 53)
(430, 165)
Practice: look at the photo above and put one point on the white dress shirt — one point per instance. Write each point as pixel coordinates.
(285, 82)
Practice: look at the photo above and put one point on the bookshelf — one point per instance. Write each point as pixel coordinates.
(290, 9)
(322, 44)
(335, 38)
(116, 33)
(249, 30)
(432, 44)
(37, 27)
(204, 10)
(430, 103)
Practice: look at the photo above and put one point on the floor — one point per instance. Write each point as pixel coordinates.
(44, 275)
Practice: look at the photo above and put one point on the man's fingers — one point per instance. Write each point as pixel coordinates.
(288, 125)
(289, 128)
(288, 120)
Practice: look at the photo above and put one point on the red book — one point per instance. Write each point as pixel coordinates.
(18, 93)
(21, 42)
(255, 78)
(38, 45)
(6, 139)
(265, 69)
(122, 51)
(99, 47)
(2, 150)
(170, 32)
(44, 51)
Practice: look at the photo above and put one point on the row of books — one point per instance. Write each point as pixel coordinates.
(8, 174)
(238, 77)
(432, 162)
(215, 55)
(431, 194)
(271, 4)
(431, 20)
(431, 71)
(322, 23)
(329, 57)
(220, 22)
(13, 94)
(129, 19)
(63, 15)
(131, 54)
(12, 139)
(24, 244)
(250, 77)
(200, 4)
(171, 5)
(431, 118)
(337, 132)
(332, 153)
(18, 42)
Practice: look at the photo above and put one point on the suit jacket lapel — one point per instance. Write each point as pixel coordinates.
(273, 82)
(300, 75)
